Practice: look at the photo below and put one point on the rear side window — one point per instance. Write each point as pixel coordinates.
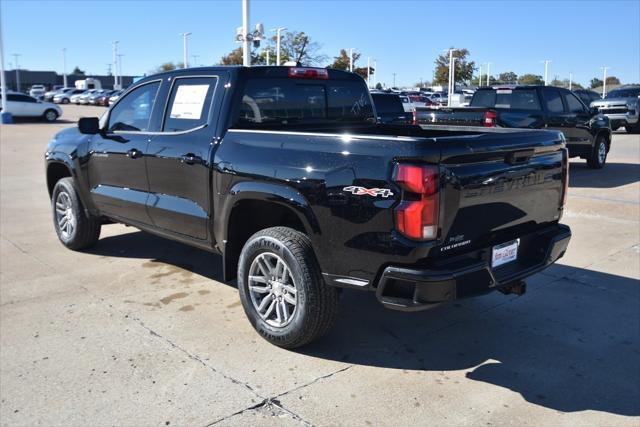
(517, 99)
(284, 102)
(189, 103)
(553, 101)
(387, 104)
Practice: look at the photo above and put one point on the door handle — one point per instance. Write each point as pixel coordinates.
(134, 153)
(190, 159)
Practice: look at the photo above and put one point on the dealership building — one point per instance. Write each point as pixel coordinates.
(29, 78)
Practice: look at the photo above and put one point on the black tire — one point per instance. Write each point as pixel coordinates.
(85, 231)
(50, 115)
(596, 159)
(65, 101)
(316, 302)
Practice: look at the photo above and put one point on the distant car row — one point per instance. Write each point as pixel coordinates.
(70, 95)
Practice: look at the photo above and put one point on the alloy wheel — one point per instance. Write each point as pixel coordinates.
(65, 218)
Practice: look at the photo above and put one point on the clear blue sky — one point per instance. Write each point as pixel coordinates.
(404, 36)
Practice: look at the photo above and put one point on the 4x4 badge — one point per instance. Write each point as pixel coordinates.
(361, 191)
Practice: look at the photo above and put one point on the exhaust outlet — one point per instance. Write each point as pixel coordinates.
(517, 288)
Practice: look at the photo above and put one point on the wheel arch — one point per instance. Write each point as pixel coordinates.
(252, 207)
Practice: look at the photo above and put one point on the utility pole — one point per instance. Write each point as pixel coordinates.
(394, 79)
(480, 76)
(570, 81)
(64, 66)
(375, 72)
(246, 43)
(546, 71)
(115, 64)
(120, 55)
(268, 57)
(16, 56)
(5, 116)
(488, 73)
(351, 59)
(185, 50)
(604, 82)
(452, 76)
(195, 60)
(278, 32)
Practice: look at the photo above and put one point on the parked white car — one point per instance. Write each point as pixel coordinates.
(20, 105)
(37, 90)
(65, 97)
(407, 104)
(78, 98)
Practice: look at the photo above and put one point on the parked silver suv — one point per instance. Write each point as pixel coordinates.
(622, 107)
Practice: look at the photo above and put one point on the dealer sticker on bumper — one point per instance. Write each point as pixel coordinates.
(504, 253)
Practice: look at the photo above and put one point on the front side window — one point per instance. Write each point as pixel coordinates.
(133, 112)
(573, 104)
(189, 103)
(553, 100)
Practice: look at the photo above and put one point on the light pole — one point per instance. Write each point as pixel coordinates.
(5, 116)
(394, 79)
(64, 66)
(16, 56)
(120, 55)
(452, 76)
(488, 73)
(195, 59)
(351, 59)
(604, 82)
(546, 70)
(185, 49)
(368, 71)
(278, 31)
(480, 76)
(570, 81)
(115, 64)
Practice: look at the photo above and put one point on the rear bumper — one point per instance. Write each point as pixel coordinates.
(413, 289)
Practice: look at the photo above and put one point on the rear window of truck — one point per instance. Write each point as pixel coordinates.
(277, 103)
(387, 104)
(518, 99)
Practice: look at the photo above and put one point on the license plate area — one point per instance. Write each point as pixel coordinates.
(504, 253)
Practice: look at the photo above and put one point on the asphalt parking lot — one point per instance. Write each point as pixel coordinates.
(140, 331)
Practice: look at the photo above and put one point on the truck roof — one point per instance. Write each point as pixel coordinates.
(258, 71)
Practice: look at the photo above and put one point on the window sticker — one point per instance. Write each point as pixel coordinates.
(189, 101)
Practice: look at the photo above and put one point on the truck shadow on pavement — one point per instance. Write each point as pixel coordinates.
(612, 175)
(568, 344)
(572, 343)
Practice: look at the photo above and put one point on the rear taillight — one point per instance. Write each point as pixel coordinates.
(490, 119)
(308, 73)
(414, 118)
(417, 213)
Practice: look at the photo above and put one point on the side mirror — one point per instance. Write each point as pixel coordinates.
(89, 125)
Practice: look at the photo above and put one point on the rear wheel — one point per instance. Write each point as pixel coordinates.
(282, 290)
(65, 100)
(76, 228)
(598, 156)
(50, 115)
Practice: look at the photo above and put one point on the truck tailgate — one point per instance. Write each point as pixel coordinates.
(498, 186)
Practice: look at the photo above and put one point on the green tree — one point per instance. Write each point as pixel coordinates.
(463, 68)
(294, 46)
(613, 80)
(558, 83)
(77, 71)
(235, 58)
(341, 62)
(530, 79)
(508, 77)
(379, 86)
(595, 82)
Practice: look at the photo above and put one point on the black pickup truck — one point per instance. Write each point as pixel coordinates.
(285, 173)
(587, 131)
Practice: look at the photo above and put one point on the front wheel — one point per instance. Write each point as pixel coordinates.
(598, 156)
(50, 116)
(282, 290)
(76, 228)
